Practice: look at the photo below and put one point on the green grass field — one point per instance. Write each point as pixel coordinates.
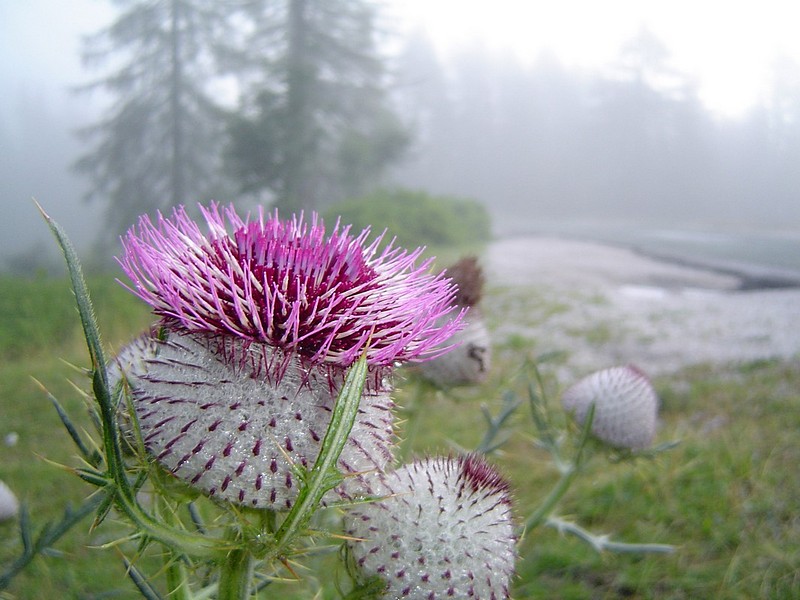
(728, 497)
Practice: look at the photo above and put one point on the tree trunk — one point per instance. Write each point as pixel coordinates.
(298, 79)
(176, 118)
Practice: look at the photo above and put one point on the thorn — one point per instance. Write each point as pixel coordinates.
(41, 210)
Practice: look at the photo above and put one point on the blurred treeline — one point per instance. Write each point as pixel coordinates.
(634, 144)
(305, 104)
(277, 101)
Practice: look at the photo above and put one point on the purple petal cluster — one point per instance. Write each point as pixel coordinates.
(327, 298)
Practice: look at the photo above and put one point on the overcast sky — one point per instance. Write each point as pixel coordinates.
(727, 46)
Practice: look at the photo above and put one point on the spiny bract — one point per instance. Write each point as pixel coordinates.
(626, 406)
(443, 529)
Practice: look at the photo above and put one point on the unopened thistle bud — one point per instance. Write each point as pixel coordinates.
(626, 406)
(262, 318)
(442, 530)
(9, 505)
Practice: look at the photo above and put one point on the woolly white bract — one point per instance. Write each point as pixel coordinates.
(224, 427)
(442, 530)
(626, 406)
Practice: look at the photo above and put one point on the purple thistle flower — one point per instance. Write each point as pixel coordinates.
(284, 283)
(261, 323)
(443, 530)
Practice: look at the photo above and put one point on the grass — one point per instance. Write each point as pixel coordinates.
(727, 497)
(40, 337)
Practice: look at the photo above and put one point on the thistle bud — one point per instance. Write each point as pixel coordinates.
(9, 505)
(470, 359)
(625, 402)
(443, 529)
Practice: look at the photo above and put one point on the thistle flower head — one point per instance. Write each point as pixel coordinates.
(470, 359)
(286, 284)
(262, 317)
(9, 505)
(443, 530)
(626, 406)
(233, 430)
(468, 276)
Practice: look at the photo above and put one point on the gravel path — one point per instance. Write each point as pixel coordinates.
(608, 305)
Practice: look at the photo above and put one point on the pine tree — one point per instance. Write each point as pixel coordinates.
(315, 124)
(158, 145)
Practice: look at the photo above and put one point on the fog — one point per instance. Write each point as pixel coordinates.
(546, 146)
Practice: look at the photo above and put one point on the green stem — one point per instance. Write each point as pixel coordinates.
(178, 580)
(236, 575)
(568, 475)
(176, 574)
(601, 542)
(546, 507)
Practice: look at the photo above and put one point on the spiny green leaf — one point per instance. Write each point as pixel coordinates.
(89, 456)
(94, 477)
(140, 581)
(85, 308)
(25, 529)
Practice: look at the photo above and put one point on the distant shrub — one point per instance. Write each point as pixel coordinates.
(416, 218)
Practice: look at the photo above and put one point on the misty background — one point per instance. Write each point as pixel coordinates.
(304, 103)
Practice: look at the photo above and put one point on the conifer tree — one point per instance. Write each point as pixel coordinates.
(315, 123)
(158, 143)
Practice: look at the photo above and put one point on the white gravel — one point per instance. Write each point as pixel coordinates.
(615, 306)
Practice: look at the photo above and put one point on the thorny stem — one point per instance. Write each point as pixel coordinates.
(236, 571)
(124, 495)
(568, 475)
